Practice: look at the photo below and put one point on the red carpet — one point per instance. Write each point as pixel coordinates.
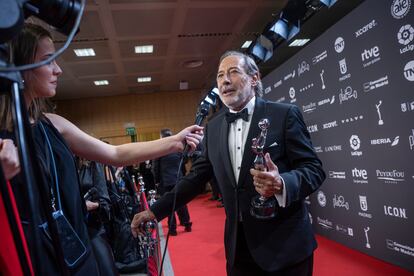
(201, 252)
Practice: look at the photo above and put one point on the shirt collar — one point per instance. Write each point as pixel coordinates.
(249, 106)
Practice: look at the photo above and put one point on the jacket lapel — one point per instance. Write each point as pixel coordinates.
(248, 155)
(224, 148)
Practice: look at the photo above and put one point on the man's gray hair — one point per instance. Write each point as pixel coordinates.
(250, 67)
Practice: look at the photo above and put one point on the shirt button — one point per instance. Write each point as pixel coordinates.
(238, 148)
(239, 129)
(238, 168)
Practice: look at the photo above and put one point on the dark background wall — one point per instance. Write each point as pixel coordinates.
(355, 86)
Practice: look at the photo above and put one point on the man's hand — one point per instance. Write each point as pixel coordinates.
(9, 158)
(138, 219)
(90, 205)
(267, 183)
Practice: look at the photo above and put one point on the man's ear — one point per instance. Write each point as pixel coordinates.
(254, 80)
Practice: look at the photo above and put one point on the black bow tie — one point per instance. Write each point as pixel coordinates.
(231, 117)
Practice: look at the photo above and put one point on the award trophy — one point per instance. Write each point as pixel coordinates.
(262, 207)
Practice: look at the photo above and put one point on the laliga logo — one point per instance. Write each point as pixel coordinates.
(355, 142)
(405, 34)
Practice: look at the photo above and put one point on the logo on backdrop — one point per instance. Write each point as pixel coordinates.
(327, 101)
(395, 212)
(411, 140)
(339, 201)
(325, 223)
(267, 90)
(370, 56)
(366, 28)
(363, 204)
(330, 125)
(392, 177)
(319, 57)
(347, 94)
(313, 128)
(344, 230)
(290, 75)
(344, 69)
(405, 36)
(309, 86)
(337, 175)
(339, 45)
(407, 106)
(302, 68)
(322, 80)
(282, 99)
(360, 176)
(380, 121)
(371, 85)
(318, 149)
(309, 107)
(400, 248)
(321, 199)
(352, 119)
(333, 148)
(277, 84)
(355, 144)
(292, 94)
(367, 245)
(386, 141)
(400, 8)
(409, 70)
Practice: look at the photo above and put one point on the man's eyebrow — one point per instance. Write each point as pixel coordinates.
(233, 67)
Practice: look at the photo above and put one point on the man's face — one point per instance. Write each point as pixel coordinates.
(235, 85)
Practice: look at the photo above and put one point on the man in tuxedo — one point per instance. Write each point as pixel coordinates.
(282, 245)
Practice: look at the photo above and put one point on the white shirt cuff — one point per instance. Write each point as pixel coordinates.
(281, 198)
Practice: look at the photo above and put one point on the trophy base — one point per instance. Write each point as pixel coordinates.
(263, 208)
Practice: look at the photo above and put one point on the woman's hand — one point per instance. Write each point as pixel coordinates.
(90, 205)
(191, 135)
(9, 158)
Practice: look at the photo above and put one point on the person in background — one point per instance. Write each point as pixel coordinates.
(167, 171)
(98, 204)
(56, 141)
(284, 244)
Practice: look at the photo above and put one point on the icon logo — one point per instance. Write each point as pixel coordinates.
(380, 121)
(411, 140)
(367, 245)
(322, 80)
(339, 45)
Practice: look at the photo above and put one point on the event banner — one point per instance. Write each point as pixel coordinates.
(355, 87)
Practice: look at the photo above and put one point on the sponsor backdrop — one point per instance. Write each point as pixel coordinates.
(355, 86)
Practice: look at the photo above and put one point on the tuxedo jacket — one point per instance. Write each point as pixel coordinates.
(285, 239)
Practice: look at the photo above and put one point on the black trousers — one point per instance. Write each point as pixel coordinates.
(183, 214)
(244, 265)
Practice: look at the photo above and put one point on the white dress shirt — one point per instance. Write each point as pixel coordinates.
(238, 131)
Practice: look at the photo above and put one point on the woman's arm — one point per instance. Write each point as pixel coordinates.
(91, 148)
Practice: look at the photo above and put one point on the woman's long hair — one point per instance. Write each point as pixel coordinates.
(23, 50)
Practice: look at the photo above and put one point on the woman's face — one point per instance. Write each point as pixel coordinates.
(42, 81)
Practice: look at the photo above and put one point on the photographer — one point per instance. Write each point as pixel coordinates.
(56, 140)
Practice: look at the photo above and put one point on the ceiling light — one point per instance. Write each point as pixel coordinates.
(101, 82)
(144, 49)
(246, 44)
(87, 52)
(144, 79)
(299, 42)
(195, 63)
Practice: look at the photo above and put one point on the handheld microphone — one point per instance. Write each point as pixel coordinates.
(90, 194)
(203, 110)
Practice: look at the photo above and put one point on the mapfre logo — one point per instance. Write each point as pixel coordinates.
(366, 28)
(400, 8)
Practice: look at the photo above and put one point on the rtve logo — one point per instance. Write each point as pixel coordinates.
(371, 53)
(360, 173)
